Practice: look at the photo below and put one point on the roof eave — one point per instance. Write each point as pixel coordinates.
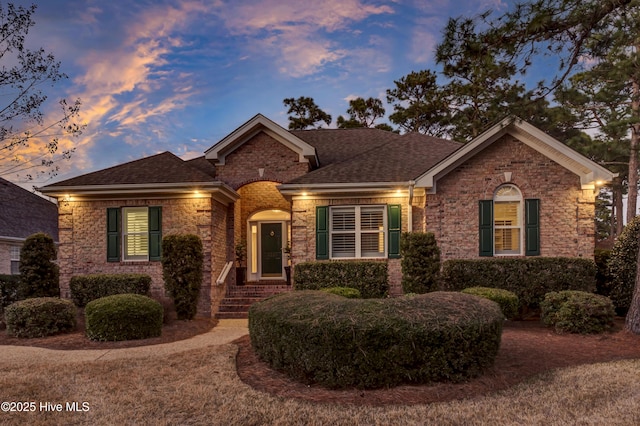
(218, 190)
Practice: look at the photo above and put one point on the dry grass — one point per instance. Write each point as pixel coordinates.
(201, 387)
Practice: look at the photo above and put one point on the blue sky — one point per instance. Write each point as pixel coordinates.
(178, 76)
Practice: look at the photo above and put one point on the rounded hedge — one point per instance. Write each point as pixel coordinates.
(123, 317)
(370, 343)
(348, 292)
(577, 312)
(507, 300)
(39, 317)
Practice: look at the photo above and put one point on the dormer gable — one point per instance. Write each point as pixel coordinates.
(259, 123)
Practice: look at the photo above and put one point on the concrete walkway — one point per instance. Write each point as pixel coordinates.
(226, 331)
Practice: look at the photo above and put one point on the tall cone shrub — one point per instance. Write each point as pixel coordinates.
(182, 266)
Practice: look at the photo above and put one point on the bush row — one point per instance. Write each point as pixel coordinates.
(370, 278)
(530, 278)
(85, 288)
(369, 343)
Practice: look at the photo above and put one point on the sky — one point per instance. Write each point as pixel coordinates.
(172, 75)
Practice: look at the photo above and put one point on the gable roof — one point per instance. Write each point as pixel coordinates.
(590, 173)
(160, 173)
(23, 213)
(389, 158)
(260, 123)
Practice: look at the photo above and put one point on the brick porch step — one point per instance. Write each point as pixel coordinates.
(238, 299)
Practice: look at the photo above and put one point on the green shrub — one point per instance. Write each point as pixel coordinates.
(85, 288)
(420, 262)
(370, 278)
(603, 278)
(349, 293)
(506, 299)
(182, 266)
(39, 275)
(9, 290)
(123, 317)
(577, 312)
(529, 278)
(622, 266)
(40, 316)
(369, 343)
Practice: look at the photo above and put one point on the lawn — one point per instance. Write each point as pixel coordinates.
(201, 386)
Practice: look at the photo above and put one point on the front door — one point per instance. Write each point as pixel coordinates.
(271, 249)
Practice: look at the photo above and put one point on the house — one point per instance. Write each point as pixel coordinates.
(331, 194)
(22, 213)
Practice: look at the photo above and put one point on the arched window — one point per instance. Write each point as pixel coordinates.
(507, 220)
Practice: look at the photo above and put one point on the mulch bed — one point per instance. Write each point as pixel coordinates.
(172, 331)
(527, 349)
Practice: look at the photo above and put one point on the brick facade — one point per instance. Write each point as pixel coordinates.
(277, 162)
(566, 211)
(83, 240)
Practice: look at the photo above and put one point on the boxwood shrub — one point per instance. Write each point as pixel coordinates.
(506, 299)
(182, 268)
(577, 312)
(123, 317)
(85, 288)
(40, 316)
(323, 338)
(350, 293)
(420, 262)
(370, 278)
(9, 290)
(529, 278)
(39, 274)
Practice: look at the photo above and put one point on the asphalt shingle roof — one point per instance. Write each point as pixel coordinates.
(393, 158)
(160, 168)
(23, 213)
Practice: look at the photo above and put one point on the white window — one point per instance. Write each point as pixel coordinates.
(135, 233)
(358, 231)
(507, 220)
(15, 260)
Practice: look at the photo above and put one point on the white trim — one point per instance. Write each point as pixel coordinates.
(260, 123)
(256, 251)
(588, 171)
(357, 231)
(218, 190)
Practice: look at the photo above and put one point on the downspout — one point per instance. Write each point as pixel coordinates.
(412, 184)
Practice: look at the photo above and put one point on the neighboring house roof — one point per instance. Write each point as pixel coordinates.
(161, 173)
(23, 213)
(590, 173)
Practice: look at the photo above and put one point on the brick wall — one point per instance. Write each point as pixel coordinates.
(303, 228)
(5, 258)
(82, 233)
(242, 166)
(566, 211)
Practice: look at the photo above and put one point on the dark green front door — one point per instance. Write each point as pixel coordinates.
(271, 249)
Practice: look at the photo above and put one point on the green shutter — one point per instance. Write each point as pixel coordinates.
(155, 233)
(486, 227)
(393, 219)
(113, 235)
(322, 232)
(532, 227)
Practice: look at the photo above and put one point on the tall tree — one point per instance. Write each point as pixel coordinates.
(29, 143)
(304, 113)
(420, 104)
(362, 113)
(574, 33)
